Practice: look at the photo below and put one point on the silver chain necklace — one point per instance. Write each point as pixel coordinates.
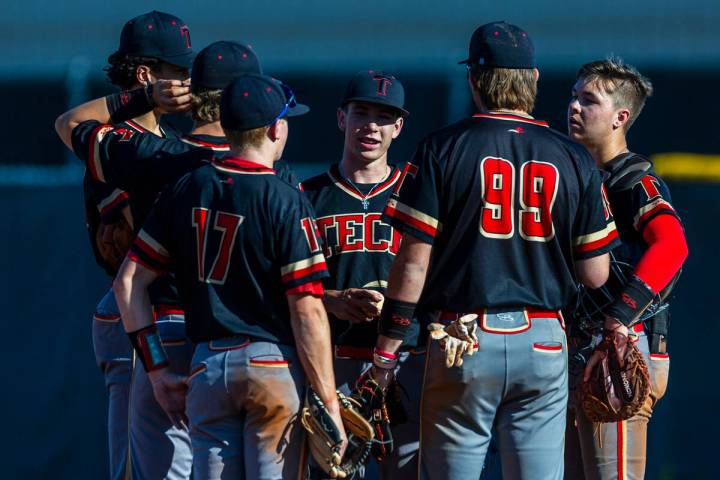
(364, 200)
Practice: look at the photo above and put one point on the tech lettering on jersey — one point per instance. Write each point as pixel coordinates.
(357, 232)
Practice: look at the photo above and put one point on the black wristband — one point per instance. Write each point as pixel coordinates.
(129, 104)
(149, 348)
(632, 302)
(395, 318)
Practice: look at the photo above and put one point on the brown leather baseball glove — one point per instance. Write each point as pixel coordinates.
(619, 383)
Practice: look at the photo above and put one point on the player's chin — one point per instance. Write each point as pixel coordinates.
(372, 154)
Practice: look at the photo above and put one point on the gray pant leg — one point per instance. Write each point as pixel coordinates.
(113, 354)
(458, 409)
(243, 404)
(531, 419)
(158, 450)
(618, 450)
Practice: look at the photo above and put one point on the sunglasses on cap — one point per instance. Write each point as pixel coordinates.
(290, 101)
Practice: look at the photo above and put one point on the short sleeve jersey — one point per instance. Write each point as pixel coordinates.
(634, 207)
(238, 240)
(508, 205)
(358, 246)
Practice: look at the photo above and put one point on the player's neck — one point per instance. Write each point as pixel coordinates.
(150, 122)
(519, 113)
(605, 152)
(358, 171)
(208, 128)
(255, 155)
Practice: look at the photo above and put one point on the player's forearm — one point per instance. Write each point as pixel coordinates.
(131, 293)
(93, 110)
(311, 331)
(405, 284)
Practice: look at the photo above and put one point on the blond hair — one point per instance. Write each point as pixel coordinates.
(205, 105)
(247, 138)
(627, 87)
(505, 88)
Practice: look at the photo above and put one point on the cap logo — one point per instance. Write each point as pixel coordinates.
(185, 32)
(383, 84)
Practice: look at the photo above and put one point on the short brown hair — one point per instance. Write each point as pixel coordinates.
(627, 87)
(206, 105)
(246, 138)
(505, 88)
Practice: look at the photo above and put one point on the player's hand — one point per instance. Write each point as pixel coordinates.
(457, 339)
(383, 377)
(334, 410)
(170, 390)
(172, 96)
(355, 305)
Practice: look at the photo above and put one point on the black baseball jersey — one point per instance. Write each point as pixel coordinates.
(238, 239)
(508, 204)
(103, 203)
(358, 246)
(634, 205)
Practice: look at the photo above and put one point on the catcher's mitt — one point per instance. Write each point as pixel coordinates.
(113, 241)
(324, 436)
(619, 383)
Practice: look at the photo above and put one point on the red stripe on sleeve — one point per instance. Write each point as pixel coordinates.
(150, 252)
(122, 197)
(314, 287)
(411, 221)
(155, 268)
(597, 244)
(666, 252)
(318, 267)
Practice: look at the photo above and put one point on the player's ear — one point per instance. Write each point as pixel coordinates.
(143, 75)
(398, 127)
(341, 117)
(622, 117)
(536, 74)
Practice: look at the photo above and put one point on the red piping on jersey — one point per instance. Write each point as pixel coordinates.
(514, 118)
(337, 178)
(154, 268)
(121, 197)
(666, 252)
(410, 221)
(318, 267)
(214, 146)
(137, 126)
(241, 165)
(597, 244)
(150, 252)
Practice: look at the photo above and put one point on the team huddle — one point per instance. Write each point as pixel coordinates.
(508, 283)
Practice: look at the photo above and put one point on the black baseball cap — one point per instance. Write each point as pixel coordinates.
(218, 64)
(501, 45)
(253, 101)
(376, 87)
(157, 35)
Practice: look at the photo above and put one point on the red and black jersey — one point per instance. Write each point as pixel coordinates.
(508, 205)
(634, 205)
(358, 246)
(238, 239)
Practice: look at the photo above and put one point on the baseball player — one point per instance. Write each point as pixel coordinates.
(248, 271)
(149, 162)
(359, 248)
(606, 100)
(500, 215)
(151, 45)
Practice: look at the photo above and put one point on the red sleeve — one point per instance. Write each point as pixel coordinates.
(667, 250)
(313, 287)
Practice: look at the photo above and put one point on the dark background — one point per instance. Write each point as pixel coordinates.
(53, 397)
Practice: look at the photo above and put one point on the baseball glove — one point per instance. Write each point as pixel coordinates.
(324, 436)
(113, 241)
(619, 383)
(373, 406)
(456, 339)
